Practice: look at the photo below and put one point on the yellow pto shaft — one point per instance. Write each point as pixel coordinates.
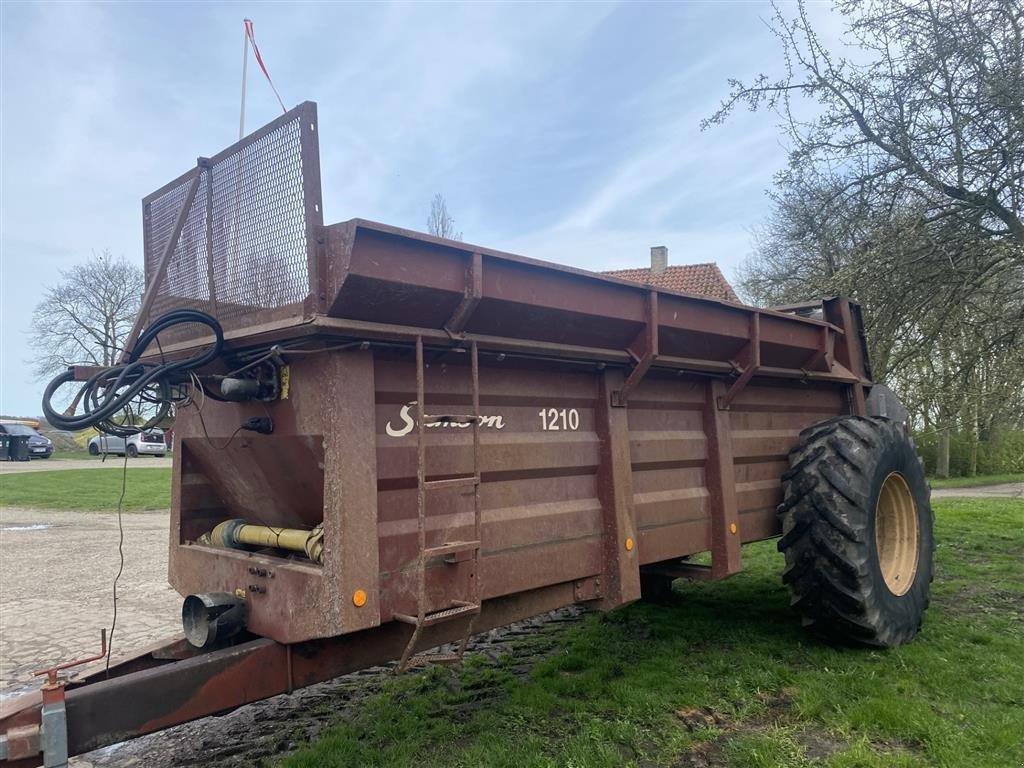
(238, 534)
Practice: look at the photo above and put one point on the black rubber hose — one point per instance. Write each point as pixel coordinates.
(113, 389)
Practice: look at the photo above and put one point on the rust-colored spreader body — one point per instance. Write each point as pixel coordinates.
(605, 428)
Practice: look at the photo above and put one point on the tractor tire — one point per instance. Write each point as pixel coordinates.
(857, 531)
(133, 452)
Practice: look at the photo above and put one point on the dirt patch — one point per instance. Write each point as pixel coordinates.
(703, 754)
(711, 752)
(979, 598)
(694, 719)
(817, 746)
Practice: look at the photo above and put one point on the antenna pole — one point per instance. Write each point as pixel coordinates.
(245, 68)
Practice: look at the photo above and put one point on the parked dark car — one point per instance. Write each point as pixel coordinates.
(39, 447)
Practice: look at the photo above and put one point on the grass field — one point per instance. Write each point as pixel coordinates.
(973, 482)
(726, 677)
(88, 489)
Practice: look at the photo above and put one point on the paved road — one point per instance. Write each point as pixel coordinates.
(1010, 490)
(42, 465)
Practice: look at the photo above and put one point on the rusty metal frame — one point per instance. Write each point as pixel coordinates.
(750, 365)
(620, 582)
(305, 115)
(151, 290)
(850, 348)
(720, 480)
(471, 296)
(647, 343)
(204, 163)
(822, 353)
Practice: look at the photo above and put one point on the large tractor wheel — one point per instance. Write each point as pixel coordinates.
(857, 531)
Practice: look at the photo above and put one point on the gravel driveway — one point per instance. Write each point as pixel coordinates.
(1008, 490)
(112, 462)
(56, 576)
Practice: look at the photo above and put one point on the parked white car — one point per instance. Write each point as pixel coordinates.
(140, 444)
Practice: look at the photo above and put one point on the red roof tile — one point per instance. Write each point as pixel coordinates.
(699, 279)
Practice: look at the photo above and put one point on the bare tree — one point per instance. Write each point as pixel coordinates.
(87, 316)
(905, 188)
(930, 111)
(944, 306)
(439, 221)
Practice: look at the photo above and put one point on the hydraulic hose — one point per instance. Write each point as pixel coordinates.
(113, 389)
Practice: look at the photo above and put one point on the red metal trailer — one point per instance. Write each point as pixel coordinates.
(415, 439)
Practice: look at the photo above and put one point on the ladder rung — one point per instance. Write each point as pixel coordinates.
(452, 482)
(451, 548)
(448, 614)
(448, 418)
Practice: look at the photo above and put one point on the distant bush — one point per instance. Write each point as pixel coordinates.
(1003, 453)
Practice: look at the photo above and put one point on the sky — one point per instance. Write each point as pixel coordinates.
(562, 131)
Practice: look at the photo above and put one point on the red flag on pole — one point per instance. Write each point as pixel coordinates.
(259, 60)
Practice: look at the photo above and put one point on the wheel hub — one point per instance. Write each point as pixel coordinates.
(897, 534)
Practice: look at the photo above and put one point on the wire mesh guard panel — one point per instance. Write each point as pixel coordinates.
(247, 244)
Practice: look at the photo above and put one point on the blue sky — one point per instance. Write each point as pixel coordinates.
(567, 132)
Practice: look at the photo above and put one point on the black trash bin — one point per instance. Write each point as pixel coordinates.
(5, 447)
(18, 449)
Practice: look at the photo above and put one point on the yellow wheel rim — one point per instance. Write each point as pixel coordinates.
(897, 535)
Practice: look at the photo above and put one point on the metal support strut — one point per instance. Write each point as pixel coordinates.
(451, 549)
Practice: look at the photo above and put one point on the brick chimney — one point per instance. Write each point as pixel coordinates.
(659, 259)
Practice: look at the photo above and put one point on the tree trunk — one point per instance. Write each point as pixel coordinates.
(972, 468)
(942, 459)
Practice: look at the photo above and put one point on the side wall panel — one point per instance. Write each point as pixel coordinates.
(557, 505)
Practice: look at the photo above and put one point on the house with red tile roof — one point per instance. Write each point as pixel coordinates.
(698, 279)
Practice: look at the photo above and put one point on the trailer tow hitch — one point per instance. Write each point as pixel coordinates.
(51, 735)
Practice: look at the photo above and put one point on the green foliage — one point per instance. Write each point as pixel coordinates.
(88, 489)
(726, 677)
(1002, 454)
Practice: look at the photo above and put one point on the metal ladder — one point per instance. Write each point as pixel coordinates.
(459, 609)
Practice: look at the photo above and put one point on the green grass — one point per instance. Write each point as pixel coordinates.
(726, 677)
(978, 480)
(87, 489)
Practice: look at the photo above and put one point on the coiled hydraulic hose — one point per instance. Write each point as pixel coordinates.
(113, 389)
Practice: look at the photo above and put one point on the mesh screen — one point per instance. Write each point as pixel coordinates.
(246, 244)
